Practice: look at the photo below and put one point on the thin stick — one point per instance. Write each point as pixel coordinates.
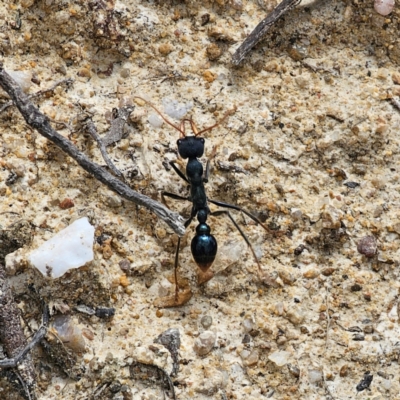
(261, 29)
(40, 122)
(93, 132)
(37, 338)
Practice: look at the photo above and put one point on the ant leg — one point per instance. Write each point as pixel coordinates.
(176, 265)
(178, 171)
(174, 196)
(226, 212)
(186, 294)
(207, 173)
(254, 218)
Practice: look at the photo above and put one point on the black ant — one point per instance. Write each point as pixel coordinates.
(204, 245)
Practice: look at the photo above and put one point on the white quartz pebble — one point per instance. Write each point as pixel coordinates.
(70, 248)
(279, 358)
(384, 7)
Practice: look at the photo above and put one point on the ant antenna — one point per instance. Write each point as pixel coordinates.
(226, 115)
(181, 127)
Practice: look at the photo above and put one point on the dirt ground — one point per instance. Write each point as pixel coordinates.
(312, 150)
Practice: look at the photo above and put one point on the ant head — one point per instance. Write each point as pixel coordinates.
(190, 147)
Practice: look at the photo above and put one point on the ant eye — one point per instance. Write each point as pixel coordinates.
(202, 140)
(179, 141)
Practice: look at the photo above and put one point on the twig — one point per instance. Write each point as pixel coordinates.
(93, 132)
(37, 338)
(41, 123)
(261, 29)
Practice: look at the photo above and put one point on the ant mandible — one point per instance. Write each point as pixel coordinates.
(204, 245)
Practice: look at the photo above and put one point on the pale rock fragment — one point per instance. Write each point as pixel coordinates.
(69, 333)
(70, 248)
(23, 78)
(204, 343)
(249, 358)
(384, 7)
(314, 376)
(280, 358)
(295, 316)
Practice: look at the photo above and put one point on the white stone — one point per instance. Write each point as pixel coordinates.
(279, 358)
(314, 376)
(384, 7)
(23, 78)
(155, 120)
(70, 248)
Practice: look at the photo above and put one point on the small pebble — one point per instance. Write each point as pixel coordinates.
(367, 246)
(249, 358)
(66, 203)
(351, 185)
(206, 321)
(356, 287)
(294, 370)
(204, 343)
(104, 312)
(125, 265)
(69, 333)
(209, 76)
(155, 120)
(384, 7)
(165, 49)
(368, 329)
(311, 273)
(314, 376)
(248, 325)
(299, 249)
(213, 52)
(88, 333)
(295, 316)
(344, 370)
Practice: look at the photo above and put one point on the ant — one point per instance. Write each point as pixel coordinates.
(204, 245)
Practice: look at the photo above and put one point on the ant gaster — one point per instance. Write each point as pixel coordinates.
(204, 245)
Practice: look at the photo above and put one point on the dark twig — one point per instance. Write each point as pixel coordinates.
(37, 338)
(261, 29)
(41, 123)
(93, 132)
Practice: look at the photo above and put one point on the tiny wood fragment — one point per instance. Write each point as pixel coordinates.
(261, 29)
